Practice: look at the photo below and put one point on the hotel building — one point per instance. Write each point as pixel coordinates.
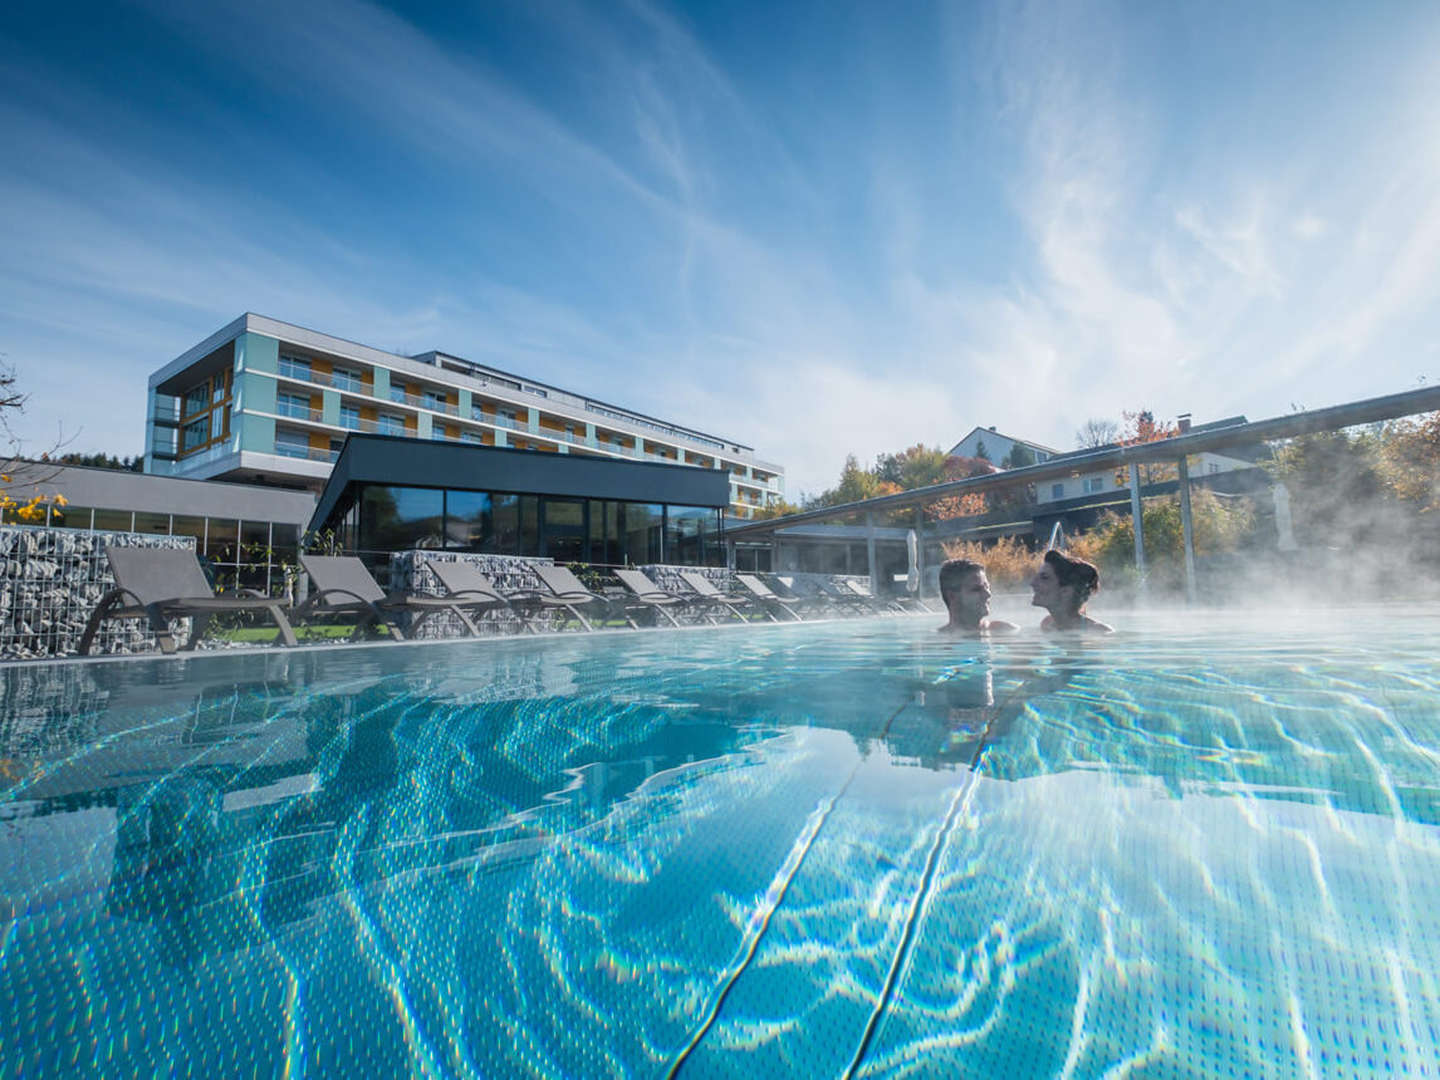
(266, 402)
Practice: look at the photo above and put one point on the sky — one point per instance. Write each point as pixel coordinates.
(815, 228)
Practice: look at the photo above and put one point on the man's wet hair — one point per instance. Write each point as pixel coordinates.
(1083, 576)
(952, 570)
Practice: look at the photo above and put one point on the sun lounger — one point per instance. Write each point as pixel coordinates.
(465, 584)
(564, 590)
(706, 591)
(765, 595)
(876, 604)
(160, 584)
(342, 586)
(647, 595)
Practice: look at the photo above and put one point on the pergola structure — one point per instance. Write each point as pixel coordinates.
(1174, 450)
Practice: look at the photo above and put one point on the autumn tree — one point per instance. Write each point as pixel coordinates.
(22, 494)
(1141, 427)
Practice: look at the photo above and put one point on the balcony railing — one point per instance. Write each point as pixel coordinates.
(320, 378)
(306, 453)
(166, 413)
(299, 412)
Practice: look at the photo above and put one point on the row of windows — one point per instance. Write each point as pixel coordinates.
(343, 378)
(601, 531)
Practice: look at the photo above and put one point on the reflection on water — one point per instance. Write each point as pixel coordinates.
(1027, 856)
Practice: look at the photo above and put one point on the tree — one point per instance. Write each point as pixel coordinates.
(981, 451)
(1141, 427)
(917, 466)
(21, 482)
(1020, 456)
(1097, 431)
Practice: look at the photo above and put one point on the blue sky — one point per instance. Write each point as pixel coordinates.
(818, 228)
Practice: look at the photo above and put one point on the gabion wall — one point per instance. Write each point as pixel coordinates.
(508, 573)
(52, 580)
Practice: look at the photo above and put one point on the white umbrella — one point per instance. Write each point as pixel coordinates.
(912, 552)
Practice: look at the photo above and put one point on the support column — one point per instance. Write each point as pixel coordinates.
(730, 555)
(870, 552)
(774, 553)
(1187, 526)
(1137, 518)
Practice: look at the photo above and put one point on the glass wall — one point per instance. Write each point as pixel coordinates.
(599, 531)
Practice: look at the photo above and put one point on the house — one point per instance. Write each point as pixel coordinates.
(1000, 449)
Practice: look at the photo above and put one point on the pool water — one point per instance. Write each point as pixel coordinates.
(1202, 847)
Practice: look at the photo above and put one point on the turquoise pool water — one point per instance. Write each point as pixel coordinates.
(1200, 848)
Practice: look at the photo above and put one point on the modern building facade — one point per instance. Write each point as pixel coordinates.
(389, 494)
(263, 401)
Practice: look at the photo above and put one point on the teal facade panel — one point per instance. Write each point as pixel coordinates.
(382, 384)
(257, 433)
(256, 352)
(330, 407)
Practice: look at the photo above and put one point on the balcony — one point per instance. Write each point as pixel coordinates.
(306, 453)
(165, 412)
(304, 373)
(299, 412)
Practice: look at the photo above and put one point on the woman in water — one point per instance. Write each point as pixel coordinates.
(1061, 587)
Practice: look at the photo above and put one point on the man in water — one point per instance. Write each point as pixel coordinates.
(965, 591)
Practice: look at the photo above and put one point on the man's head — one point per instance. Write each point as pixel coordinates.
(965, 591)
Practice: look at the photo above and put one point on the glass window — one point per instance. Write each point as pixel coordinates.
(391, 424)
(197, 433)
(292, 443)
(344, 378)
(223, 538)
(1057, 491)
(217, 391)
(114, 520)
(506, 515)
(152, 523)
(284, 541)
(350, 417)
(217, 424)
(529, 525)
(471, 437)
(477, 412)
(685, 528)
(70, 517)
(399, 518)
(296, 405)
(434, 399)
(297, 367)
(1094, 484)
(641, 526)
(185, 525)
(469, 520)
(196, 398)
(397, 393)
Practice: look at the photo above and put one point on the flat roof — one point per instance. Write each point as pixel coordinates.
(118, 489)
(394, 461)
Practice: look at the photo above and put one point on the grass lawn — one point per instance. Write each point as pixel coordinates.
(265, 634)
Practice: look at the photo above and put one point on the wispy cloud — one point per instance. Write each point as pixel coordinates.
(1040, 226)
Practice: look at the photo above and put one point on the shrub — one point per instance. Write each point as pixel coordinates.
(1007, 561)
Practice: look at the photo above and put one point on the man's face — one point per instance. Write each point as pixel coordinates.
(970, 597)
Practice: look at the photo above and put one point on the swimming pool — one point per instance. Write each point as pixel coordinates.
(1201, 847)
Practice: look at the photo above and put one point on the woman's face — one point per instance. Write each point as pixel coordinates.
(1048, 592)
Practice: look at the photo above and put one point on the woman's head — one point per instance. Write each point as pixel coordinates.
(1063, 584)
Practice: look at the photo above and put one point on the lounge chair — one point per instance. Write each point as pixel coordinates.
(563, 589)
(160, 584)
(766, 595)
(647, 595)
(465, 584)
(706, 591)
(342, 586)
(875, 603)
